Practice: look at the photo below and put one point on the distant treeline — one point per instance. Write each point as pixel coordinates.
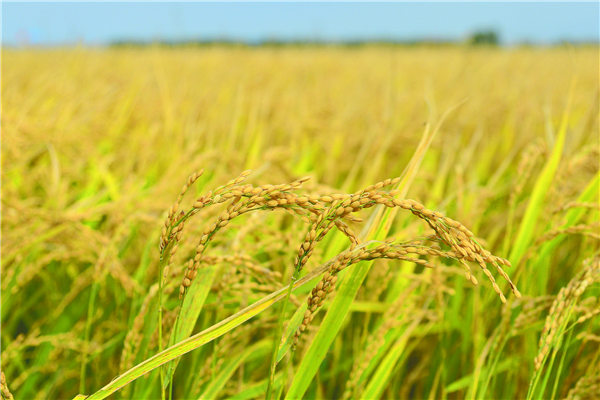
(477, 39)
(485, 37)
(274, 43)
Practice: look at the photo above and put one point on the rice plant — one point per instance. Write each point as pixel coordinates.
(371, 222)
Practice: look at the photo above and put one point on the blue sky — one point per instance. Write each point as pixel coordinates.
(101, 23)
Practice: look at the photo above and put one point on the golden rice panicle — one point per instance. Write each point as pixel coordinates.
(6, 394)
(175, 238)
(306, 248)
(461, 240)
(391, 250)
(236, 181)
(324, 218)
(235, 209)
(255, 198)
(171, 219)
(342, 261)
(563, 306)
(455, 235)
(380, 185)
(316, 298)
(319, 227)
(190, 181)
(349, 233)
(341, 206)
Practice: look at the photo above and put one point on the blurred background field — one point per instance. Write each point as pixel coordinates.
(97, 142)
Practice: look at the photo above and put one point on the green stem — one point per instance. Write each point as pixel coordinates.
(277, 337)
(88, 328)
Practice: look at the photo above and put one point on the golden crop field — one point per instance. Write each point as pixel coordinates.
(350, 226)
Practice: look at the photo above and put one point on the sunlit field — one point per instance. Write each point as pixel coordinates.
(355, 222)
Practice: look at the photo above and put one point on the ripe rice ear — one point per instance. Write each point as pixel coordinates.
(6, 394)
(376, 228)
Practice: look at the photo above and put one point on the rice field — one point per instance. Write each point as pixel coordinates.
(355, 222)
